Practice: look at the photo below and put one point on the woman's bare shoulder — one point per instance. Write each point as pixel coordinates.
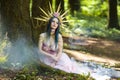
(60, 36)
(42, 34)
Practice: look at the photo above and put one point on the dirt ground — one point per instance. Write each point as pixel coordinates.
(94, 49)
(81, 56)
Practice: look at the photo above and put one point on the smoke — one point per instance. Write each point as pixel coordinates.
(19, 54)
(16, 55)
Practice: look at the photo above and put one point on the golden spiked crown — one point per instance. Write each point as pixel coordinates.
(51, 13)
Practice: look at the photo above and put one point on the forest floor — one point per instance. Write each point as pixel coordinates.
(94, 49)
(83, 49)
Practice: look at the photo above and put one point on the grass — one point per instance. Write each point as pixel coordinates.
(40, 72)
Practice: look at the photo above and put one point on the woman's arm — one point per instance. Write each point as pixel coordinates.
(41, 39)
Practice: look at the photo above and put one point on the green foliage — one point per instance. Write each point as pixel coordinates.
(118, 7)
(25, 75)
(94, 7)
(90, 26)
(91, 21)
(111, 34)
(29, 72)
(3, 53)
(47, 73)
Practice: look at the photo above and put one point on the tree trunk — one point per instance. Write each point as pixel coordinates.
(119, 2)
(16, 18)
(113, 17)
(38, 26)
(0, 22)
(74, 6)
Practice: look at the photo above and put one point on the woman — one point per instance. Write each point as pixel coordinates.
(51, 50)
(51, 45)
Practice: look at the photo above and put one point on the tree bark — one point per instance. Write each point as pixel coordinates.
(113, 17)
(15, 15)
(119, 2)
(74, 6)
(0, 22)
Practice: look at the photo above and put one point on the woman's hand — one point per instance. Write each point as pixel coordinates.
(55, 57)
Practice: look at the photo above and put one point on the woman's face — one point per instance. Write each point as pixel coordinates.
(54, 24)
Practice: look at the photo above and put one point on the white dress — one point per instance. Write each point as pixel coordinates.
(69, 65)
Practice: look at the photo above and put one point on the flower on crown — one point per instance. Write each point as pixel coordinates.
(56, 14)
(51, 13)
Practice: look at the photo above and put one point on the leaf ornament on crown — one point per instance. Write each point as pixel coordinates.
(47, 15)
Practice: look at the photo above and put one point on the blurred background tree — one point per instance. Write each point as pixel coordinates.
(113, 16)
(57, 2)
(74, 6)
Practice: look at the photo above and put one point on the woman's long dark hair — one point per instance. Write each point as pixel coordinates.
(48, 31)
